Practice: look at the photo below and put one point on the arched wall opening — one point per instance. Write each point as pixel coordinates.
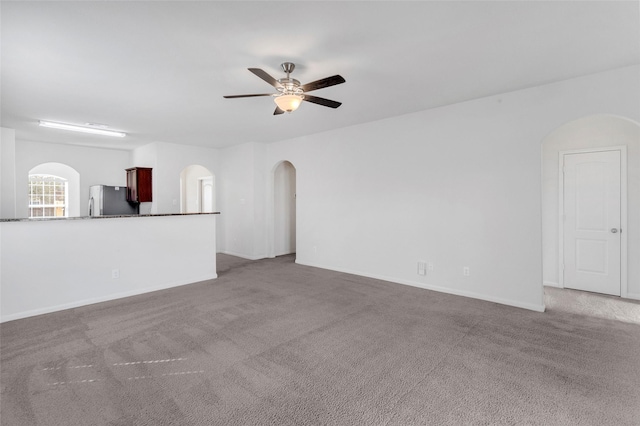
(591, 133)
(283, 178)
(67, 173)
(197, 190)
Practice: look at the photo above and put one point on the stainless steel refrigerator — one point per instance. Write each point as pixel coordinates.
(110, 201)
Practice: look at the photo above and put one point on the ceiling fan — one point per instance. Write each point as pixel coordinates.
(290, 92)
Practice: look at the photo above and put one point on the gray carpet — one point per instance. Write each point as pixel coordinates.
(274, 343)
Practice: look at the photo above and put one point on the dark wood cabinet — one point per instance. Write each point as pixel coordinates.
(139, 185)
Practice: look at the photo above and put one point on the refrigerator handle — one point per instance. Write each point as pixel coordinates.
(91, 206)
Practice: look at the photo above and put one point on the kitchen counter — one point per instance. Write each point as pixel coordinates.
(35, 219)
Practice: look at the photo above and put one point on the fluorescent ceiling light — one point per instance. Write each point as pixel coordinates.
(92, 130)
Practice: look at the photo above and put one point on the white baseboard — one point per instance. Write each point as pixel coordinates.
(242, 255)
(635, 296)
(508, 302)
(106, 298)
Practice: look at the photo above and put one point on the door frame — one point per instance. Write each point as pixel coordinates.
(271, 191)
(200, 192)
(623, 211)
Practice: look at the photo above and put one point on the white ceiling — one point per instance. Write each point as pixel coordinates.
(158, 70)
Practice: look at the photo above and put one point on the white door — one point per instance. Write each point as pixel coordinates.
(206, 195)
(592, 242)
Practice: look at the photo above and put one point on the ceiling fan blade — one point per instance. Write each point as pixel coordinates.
(325, 82)
(278, 111)
(266, 77)
(322, 101)
(247, 96)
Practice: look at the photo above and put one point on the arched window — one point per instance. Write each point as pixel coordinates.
(48, 196)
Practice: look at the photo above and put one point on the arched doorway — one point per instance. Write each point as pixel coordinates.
(54, 191)
(284, 212)
(197, 190)
(580, 138)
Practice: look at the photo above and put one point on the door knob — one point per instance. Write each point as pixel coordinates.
(614, 230)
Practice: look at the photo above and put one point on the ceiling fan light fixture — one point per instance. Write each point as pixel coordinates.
(288, 103)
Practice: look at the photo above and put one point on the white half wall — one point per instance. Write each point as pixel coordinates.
(457, 186)
(149, 253)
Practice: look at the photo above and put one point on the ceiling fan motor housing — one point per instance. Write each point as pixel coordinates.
(288, 67)
(290, 86)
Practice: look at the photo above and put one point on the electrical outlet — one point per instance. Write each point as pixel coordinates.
(422, 268)
(430, 266)
(115, 273)
(465, 271)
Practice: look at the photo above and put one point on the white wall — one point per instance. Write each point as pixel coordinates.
(172, 159)
(242, 196)
(104, 166)
(261, 183)
(284, 178)
(168, 160)
(454, 186)
(597, 131)
(146, 156)
(96, 167)
(7, 173)
(151, 253)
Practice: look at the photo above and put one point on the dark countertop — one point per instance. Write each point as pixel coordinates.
(27, 219)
